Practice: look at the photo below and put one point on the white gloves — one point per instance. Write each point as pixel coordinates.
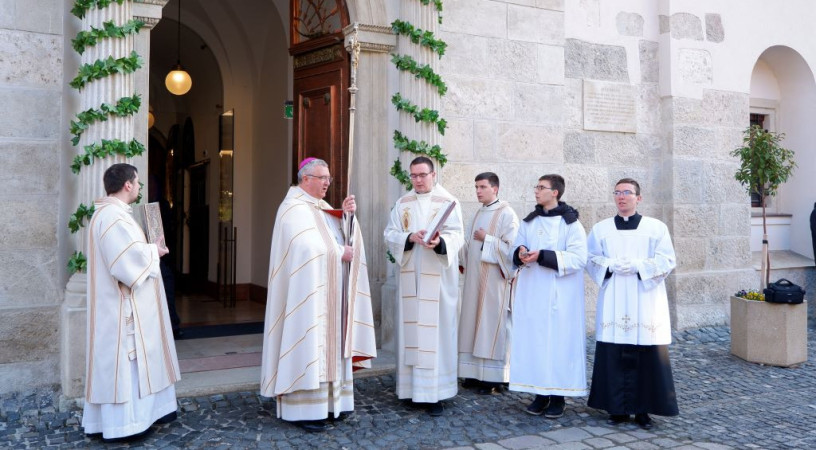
(623, 266)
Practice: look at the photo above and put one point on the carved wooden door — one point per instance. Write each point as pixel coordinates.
(320, 85)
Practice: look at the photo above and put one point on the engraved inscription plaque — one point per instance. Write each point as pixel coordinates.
(610, 106)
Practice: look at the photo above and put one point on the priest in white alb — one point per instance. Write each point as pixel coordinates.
(131, 356)
(428, 289)
(484, 340)
(319, 324)
(548, 354)
(630, 257)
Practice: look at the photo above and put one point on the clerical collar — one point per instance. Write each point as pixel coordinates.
(309, 198)
(494, 202)
(628, 223)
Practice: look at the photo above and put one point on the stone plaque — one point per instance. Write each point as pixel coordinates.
(610, 106)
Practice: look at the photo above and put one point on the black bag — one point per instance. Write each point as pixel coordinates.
(783, 291)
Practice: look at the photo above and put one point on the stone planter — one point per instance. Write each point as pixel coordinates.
(769, 333)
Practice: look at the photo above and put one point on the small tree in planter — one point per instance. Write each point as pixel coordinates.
(764, 166)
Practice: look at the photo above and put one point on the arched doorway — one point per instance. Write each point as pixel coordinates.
(783, 99)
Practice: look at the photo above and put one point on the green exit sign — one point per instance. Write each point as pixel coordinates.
(288, 109)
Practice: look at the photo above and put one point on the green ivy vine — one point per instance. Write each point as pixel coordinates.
(407, 63)
(83, 6)
(437, 6)
(430, 116)
(106, 148)
(125, 106)
(417, 36)
(110, 30)
(424, 115)
(77, 219)
(104, 68)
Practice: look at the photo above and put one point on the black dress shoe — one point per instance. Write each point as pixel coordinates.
(435, 409)
(644, 421)
(313, 426)
(556, 407)
(178, 334)
(538, 406)
(167, 418)
(617, 419)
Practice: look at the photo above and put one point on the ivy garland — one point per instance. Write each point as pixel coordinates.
(430, 116)
(110, 30)
(106, 148)
(417, 36)
(104, 68)
(424, 115)
(437, 5)
(407, 63)
(77, 219)
(83, 6)
(126, 106)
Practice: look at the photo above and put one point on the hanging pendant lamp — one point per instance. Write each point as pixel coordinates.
(178, 81)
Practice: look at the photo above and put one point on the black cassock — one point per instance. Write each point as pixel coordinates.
(632, 379)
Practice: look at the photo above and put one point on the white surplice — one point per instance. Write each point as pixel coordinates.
(311, 342)
(131, 358)
(427, 297)
(484, 317)
(632, 309)
(548, 353)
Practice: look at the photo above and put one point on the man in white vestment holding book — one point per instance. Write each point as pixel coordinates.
(131, 356)
(319, 323)
(428, 290)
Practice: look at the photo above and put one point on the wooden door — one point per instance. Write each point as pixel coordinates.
(320, 84)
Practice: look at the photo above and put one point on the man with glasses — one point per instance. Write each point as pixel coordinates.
(630, 256)
(483, 321)
(319, 321)
(428, 290)
(548, 354)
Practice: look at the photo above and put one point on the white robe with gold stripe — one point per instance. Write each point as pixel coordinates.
(484, 319)
(131, 355)
(306, 363)
(428, 297)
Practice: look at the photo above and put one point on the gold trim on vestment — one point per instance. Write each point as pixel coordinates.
(300, 376)
(296, 344)
(286, 254)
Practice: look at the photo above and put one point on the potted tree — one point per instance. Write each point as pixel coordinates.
(762, 332)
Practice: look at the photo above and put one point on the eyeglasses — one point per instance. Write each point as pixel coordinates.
(541, 188)
(625, 193)
(323, 178)
(419, 176)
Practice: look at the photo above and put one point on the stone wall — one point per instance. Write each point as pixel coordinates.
(31, 85)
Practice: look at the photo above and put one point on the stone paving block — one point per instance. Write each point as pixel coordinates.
(566, 435)
(522, 442)
(665, 443)
(621, 438)
(569, 446)
(642, 445)
(599, 442)
(489, 446)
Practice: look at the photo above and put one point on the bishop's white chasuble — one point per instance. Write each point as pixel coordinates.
(319, 324)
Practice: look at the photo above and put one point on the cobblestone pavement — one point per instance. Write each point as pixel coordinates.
(724, 403)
